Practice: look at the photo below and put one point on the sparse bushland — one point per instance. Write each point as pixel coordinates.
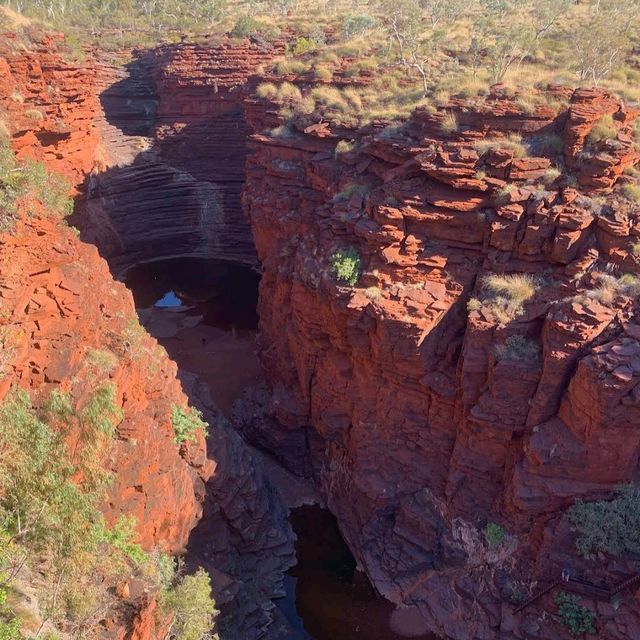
(577, 618)
(52, 534)
(53, 481)
(345, 266)
(611, 526)
(22, 182)
(187, 422)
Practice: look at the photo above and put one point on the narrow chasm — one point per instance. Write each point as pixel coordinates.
(165, 211)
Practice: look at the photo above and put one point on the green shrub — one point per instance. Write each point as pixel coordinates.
(29, 180)
(632, 192)
(186, 423)
(357, 24)
(122, 536)
(303, 45)
(494, 534)
(192, 605)
(345, 265)
(247, 25)
(604, 129)
(612, 526)
(518, 348)
(577, 618)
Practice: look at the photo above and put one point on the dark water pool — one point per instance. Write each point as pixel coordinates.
(225, 294)
(204, 313)
(327, 598)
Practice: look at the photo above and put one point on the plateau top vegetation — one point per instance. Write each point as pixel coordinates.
(392, 55)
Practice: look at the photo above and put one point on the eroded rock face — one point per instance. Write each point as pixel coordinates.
(180, 109)
(419, 429)
(67, 324)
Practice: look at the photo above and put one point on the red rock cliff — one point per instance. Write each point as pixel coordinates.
(420, 425)
(68, 324)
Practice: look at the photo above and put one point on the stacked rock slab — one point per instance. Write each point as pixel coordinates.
(418, 431)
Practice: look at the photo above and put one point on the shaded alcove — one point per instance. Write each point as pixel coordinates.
(327, 598)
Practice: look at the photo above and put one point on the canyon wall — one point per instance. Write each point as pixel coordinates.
(181, 109)
(419, 422)
(68, 325)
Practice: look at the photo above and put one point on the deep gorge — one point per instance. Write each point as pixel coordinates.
(388, 403)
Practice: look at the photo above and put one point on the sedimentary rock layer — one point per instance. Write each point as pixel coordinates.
(420, 424)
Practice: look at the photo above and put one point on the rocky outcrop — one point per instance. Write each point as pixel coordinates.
(421, 418)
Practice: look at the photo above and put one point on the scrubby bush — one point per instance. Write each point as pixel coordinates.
(577, 618)
(186, 424)
(518, 348)
(511, 143)
(302, 45)
(351, 190)
(357, 24)
(494, 534)
(290, 67)
(517, 287)
(612, 526)
(449, 124)
(53, 480)
(609, 287)
(344, 146)
(322, 73)
(345, 265)
(632, 192)
(29, 180)
(267, 90)
(505, 294)
(247, 26)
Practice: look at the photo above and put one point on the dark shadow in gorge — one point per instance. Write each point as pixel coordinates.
(176, 188)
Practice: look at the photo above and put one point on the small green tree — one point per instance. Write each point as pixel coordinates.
(192, 605)
(612, 526)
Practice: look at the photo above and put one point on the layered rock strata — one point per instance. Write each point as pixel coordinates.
(421, 419)
(182, 106)
(68, 325)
